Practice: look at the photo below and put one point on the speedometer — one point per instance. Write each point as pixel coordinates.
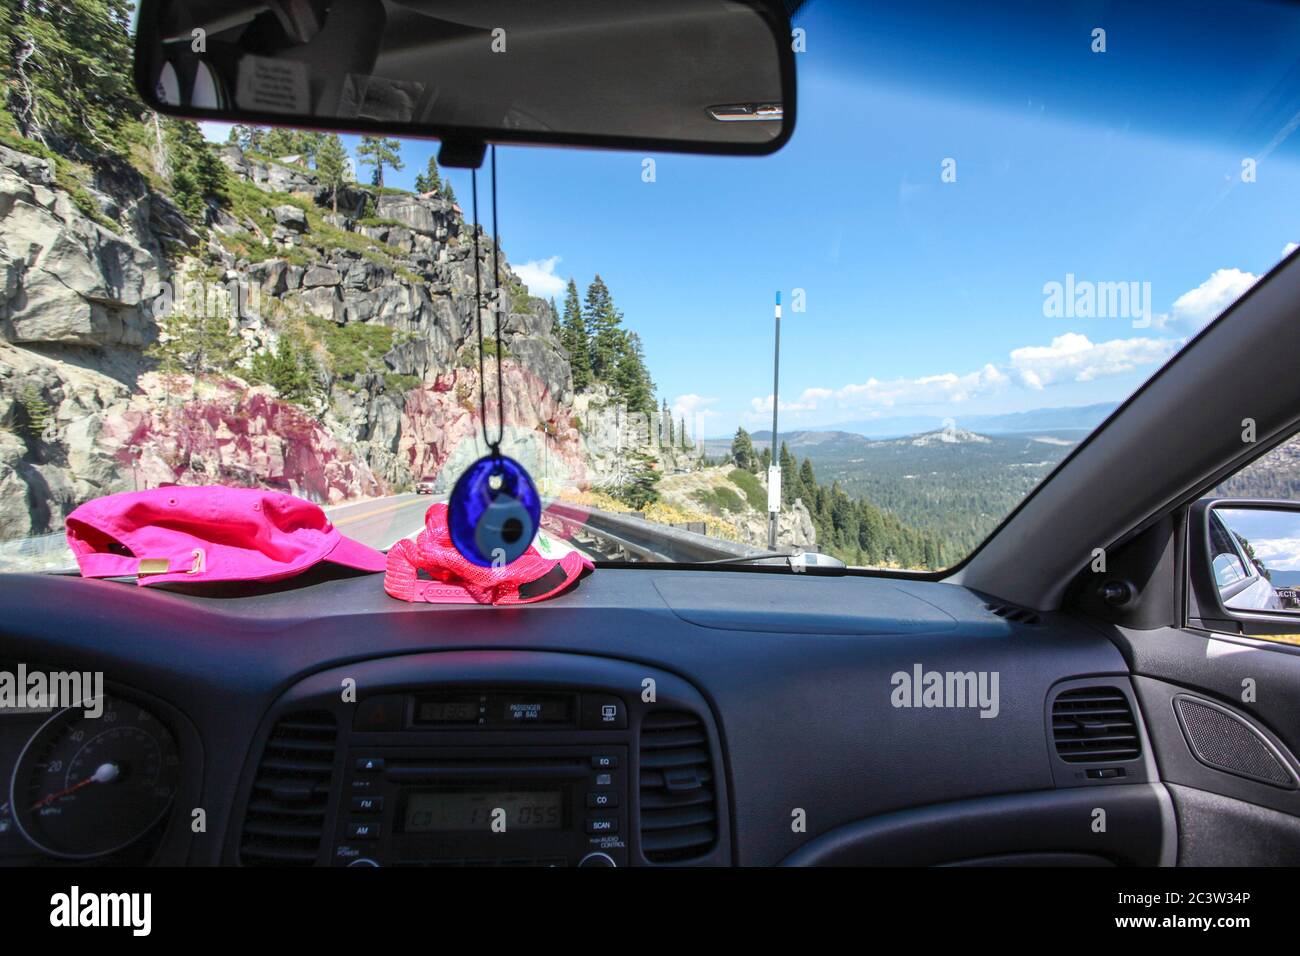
(89, 786)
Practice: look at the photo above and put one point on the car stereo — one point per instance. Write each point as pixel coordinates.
(485, 777)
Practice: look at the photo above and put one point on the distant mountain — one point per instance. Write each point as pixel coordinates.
(1075, 416)
(954, 482)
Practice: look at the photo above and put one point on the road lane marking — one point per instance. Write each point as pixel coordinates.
(349, 519)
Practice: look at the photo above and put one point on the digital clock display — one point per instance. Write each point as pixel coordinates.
(448, 710)
(443, 811)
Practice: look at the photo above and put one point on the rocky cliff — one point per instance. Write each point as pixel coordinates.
(376, 299)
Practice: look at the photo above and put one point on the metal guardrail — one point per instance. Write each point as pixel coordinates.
(644, 540)
(624, 536)
(47, 553)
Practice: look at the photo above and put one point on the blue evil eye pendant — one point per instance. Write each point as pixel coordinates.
(494, 512)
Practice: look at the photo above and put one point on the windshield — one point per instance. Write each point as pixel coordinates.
(988, 230)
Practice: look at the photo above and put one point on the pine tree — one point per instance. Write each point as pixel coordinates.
(332, 167)
(632, 384)
(279, 142)
(638, 486)
(68, 69)
(742, 451)
(307, 145)
(604, 326)
(429, 181)
(247, 138)
(574, 336)
(671, 440)
(380, 152)
(290, 369)
(195, 343)
(447, 192)
(788, 475)
(196, 173)
(807, 479)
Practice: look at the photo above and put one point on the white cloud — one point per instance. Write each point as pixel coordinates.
(926, 390)
(1289, 248)
(692, 403)
(1197, 308)
(807, 401)
(1278, 554)
(539, 275)
(1072, 357)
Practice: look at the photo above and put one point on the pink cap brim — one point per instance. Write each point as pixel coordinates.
(354, 554)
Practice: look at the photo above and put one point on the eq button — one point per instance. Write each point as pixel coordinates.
(604, 762)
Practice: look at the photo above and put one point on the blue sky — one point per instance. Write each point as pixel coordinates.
(925, 296)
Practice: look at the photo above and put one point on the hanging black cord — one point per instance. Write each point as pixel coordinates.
(494, 446)
(500, 307)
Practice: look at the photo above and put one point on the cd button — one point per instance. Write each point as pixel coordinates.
(602, 799)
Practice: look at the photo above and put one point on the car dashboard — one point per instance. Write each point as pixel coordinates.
(650, 717)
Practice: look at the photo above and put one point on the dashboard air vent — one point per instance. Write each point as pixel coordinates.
(678, 807)
(1094, 725)
(285, 820)
(1015, 613)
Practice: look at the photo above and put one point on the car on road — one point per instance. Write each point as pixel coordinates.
(427, 485)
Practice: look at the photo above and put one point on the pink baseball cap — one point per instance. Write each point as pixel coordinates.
(454, 580)
(208, 534)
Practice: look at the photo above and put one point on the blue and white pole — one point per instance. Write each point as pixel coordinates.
(774, 470)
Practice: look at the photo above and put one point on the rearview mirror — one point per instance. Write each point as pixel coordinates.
(701, 76)
(1244, 564)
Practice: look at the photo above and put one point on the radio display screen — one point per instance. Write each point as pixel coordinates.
(443, 811)
(447, 710)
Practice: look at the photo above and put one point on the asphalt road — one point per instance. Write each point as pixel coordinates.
(381, 522)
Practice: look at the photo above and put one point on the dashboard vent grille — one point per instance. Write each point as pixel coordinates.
(1094, 725)
(285, 820)
(1015, 613)
(678, 796)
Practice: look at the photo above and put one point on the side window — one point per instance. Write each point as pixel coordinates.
(1255, 552)
(1229, 569)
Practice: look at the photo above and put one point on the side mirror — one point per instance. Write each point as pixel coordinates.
(1244, 566)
